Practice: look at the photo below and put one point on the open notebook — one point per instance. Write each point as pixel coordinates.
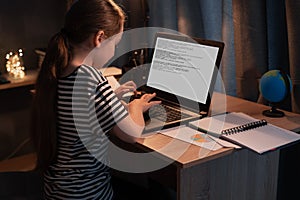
(242, 129)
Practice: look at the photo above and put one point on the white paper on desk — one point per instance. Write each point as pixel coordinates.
(192, 136)
(113, 82)
(215, 125)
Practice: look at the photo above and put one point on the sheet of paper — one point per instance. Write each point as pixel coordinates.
(113, 82)
(192, 136)
(224, 143)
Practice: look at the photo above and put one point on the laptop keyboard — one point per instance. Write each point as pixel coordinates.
(167, 114)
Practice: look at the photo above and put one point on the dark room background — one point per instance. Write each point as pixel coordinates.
(28, 25)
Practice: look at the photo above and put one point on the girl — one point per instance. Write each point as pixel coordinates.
(75, 108)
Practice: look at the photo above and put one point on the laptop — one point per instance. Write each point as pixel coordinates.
(182, 73)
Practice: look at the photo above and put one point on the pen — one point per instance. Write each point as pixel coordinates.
(223, 143)
(223, 113)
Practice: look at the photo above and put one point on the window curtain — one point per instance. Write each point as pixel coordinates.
(293, 32)
(259, 35)
(265, 37)
(209, 19)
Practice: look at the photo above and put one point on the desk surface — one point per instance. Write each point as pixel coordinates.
(235, 175)
(29, 79)
(220, 103)
(192, 156)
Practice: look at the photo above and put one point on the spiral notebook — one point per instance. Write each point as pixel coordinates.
(242, 129)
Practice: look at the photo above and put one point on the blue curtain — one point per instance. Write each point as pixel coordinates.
(266, 38)
(293, 32)
(259, 35)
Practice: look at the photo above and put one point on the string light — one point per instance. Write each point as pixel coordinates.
(14, 64)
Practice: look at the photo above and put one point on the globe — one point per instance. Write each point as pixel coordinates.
(275, 86)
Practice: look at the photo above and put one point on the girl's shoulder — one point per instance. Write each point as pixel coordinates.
(91, 73)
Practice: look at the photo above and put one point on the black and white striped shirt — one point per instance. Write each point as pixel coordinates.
(87, 109)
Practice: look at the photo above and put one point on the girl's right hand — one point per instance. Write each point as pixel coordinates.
(131, 127)
(138, 106)
(144, 103)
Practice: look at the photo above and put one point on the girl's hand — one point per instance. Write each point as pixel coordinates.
(144, 103)
(138, 106)
(129, 86)
(131, 127)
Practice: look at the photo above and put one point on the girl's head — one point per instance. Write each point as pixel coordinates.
(87, 17)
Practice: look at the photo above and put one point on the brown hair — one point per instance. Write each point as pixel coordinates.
(85, 17)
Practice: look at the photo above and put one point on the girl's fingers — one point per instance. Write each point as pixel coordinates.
(130, 84)
(148, 97)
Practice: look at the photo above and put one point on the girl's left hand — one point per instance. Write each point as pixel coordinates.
(129, 86)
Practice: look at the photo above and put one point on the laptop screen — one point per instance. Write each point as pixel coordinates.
(184, 66)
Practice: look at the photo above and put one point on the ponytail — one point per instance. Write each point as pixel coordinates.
(44, 122)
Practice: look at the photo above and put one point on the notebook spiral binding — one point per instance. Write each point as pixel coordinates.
(244, 127)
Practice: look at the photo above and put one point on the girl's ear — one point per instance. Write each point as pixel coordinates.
(99, 37)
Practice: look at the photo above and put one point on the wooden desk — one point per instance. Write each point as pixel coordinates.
(226, 173)
(29, 79)
(223, 174)
(23, 163)
(31, 75)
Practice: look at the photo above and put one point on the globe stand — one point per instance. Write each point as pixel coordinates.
(273, 112)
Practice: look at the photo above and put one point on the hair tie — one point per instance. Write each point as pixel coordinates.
(64, 32)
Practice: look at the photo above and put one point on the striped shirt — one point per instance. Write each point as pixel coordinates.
(87, 109)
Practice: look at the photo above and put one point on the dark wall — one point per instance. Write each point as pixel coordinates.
(136, 11)
(28, 25)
